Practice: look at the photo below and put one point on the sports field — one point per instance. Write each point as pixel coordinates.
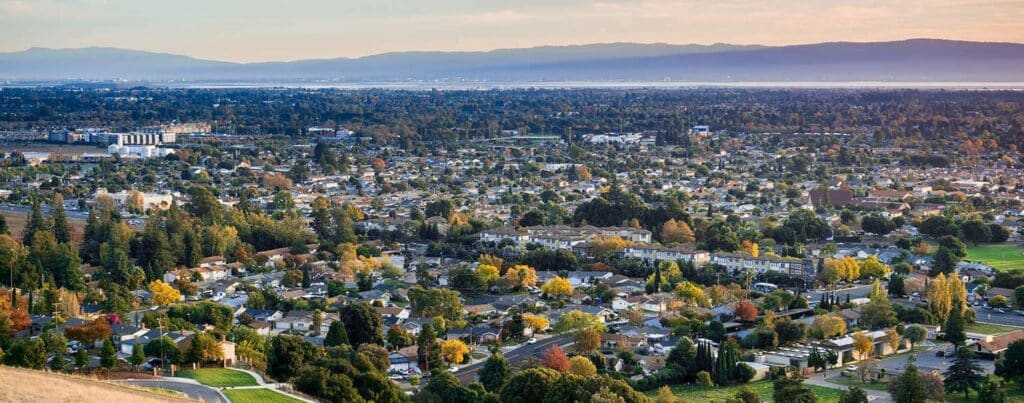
(1000, 257)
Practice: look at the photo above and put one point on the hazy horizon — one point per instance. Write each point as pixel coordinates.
(265, 30)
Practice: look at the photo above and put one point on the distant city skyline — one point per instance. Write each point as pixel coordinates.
(268, 30)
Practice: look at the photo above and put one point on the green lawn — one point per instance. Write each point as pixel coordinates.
(842, 380)
(219, 377)
(258, 396)
(1000, 257)
(763, 389)
(987, 328)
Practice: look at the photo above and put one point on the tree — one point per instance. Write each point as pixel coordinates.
(362, 324)
(963, 374)
(944, 261)
(676, 232)
(108, 355)
(582, 366)
(536, 322)
(163, 294)
(61, 229)
(873, 268)
(587, 340)
(1011, 366)
(704, 380)
(204, 348)
(792, 390)
(165, 348)
(336, 334)
(939, 297)
(495, 371)
(975, 231)
(487, 273)
(454, 351)
(746, 311)
(576, 320)
(853, 395)
(991, 392)
(521, 276)
(821, 360)
(555, 359)
(287, 354)
(528, 386)
(908, 387)
(428, 352)
(665, 395)
(863, 345)
(998, 301)
(604, 245)
(876, 224)
(828, 326)
(955, 328)
(397, 337)
(915, 334)
(557, 287)
(878, 313)
(690, 293)
(745, 395)
(138, 356)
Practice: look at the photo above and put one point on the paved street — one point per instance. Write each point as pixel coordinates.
(515, 357)
(193, 390)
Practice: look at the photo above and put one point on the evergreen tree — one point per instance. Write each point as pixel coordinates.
(81, 358)
(36, 222)
(108, 355)
(336, 335)
(428, 353)
(495, 371)
(138, 356)
(954, 328)
(61, 228)
(911, 386)
(705, 358)
(991, 392)
(964, 374)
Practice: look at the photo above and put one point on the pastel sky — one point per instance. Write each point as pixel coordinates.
(261, 30)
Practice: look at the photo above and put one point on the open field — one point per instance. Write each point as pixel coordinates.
(1000, 257)
(258, 396)
(988, 328)
(219, 377)
(23, 385)
(763, 389)
(16, 223)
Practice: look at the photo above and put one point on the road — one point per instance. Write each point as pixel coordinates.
(195, 391)
(515, 357)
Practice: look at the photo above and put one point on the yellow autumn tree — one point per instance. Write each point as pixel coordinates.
(873, 268)
(939, 297)
(828, 326)
(690, 293)
(491, 260)
(582, 366)
(536, 322)
(454, 351)
(677, 232)
(557, 287)
(604, 245)
(487, 273)
(163, 293)
(750, 248)
(521, 276)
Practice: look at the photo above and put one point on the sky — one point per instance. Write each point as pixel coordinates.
(266, 30)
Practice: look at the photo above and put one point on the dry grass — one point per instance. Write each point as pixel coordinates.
(16, 223)
(22, 385)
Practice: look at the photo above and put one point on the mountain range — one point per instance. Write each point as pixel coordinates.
(913, 60)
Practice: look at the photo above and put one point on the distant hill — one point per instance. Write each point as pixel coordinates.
(909, 60)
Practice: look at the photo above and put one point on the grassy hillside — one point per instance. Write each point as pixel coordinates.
(22, 385)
